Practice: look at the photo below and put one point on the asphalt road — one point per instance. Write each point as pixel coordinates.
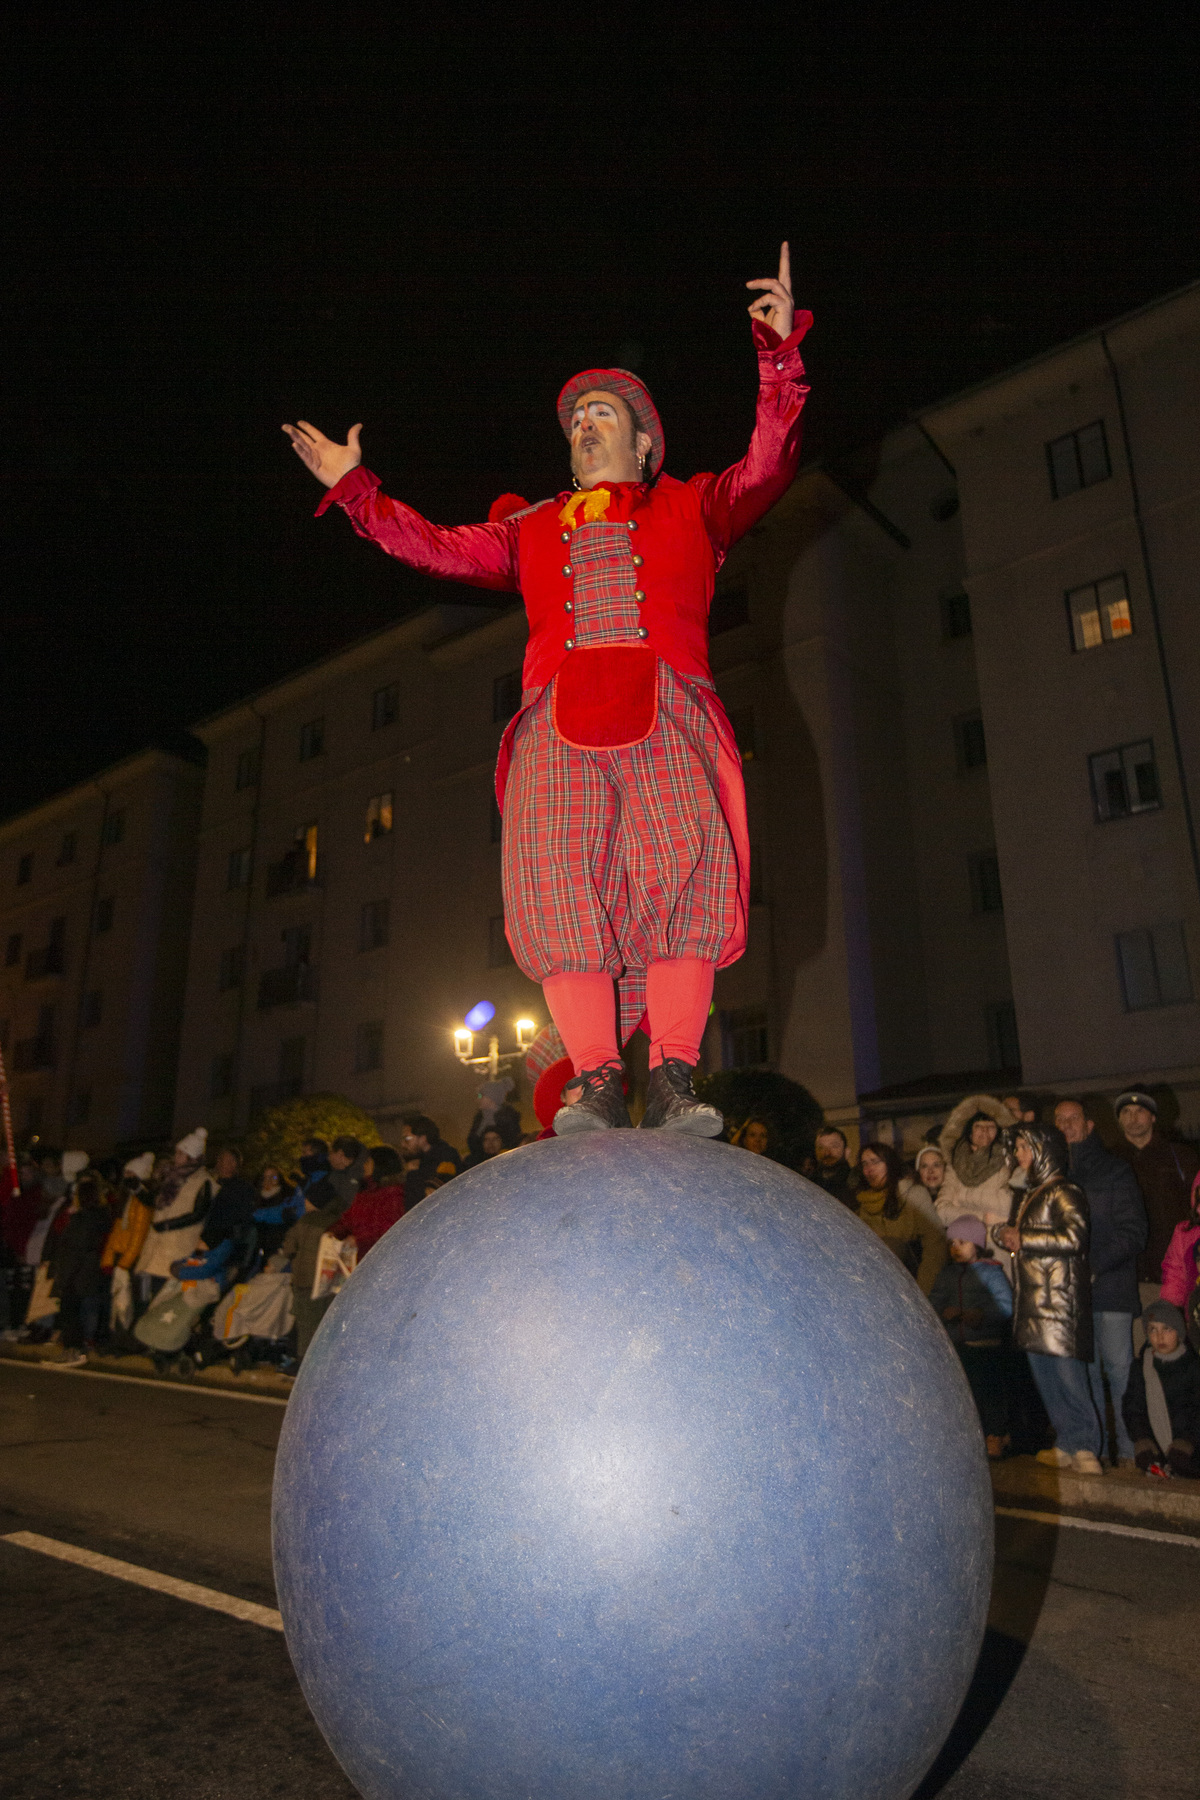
(1086, 1686)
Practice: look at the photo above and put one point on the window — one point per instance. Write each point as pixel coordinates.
(385, 706)
(373, 925)
(1124, 781)
(745, 1039)
(312, 740)
(247, 769)
(239, 868)
(379, 817)
(12, 950)
(495, 822)
(1099, 612)
(93, 1006)
(68, 847)
(291, 1066)
(970, 746)
(986, 896)
(500, 954)
(1078, 460)
(220, 1076)
(1004, 1049)
(233, 968)
(956, 615)
(25, 869)
(368, 1047)
(1154, 967)
(104, 913)
(506, 697)
(113, 830)
(745, 732)
(730, 608)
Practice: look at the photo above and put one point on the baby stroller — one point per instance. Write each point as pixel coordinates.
(176, 1328)
(254, 1320)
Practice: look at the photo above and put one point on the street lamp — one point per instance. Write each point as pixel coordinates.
(524, 1030)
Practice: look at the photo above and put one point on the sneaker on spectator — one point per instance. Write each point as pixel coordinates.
(1055, 1459)
(1084, 1463)
(71, 1359)
(10, 1337)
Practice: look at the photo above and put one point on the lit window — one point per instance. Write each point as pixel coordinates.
(969, 742)
(1099, 612)
(247, 768)
(306, 847)
(1078, 460)
(373, 925)
(312, 740)
(1154, 967)
(1124, 781)
(379, 817)
(385, 706)
(368, 1047)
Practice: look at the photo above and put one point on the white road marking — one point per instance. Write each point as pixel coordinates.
(1129, 1531)
(177, 1387)
(246, 1610)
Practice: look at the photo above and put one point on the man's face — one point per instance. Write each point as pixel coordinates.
(1071, 1120)
(339, 1160)
(831, 1147)
(1136, 1122)
(414, 1145)
(227, 1166)
(983, 1133)
(604, 440)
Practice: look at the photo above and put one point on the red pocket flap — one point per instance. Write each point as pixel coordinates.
(606, 698)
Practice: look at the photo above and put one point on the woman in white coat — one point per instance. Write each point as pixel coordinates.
(180, 1205)
(977, 1172)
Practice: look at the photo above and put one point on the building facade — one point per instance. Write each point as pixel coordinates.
(95, 914)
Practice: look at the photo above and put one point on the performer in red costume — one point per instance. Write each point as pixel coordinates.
(625, 851)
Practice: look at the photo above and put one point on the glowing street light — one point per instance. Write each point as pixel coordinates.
(524, 1030)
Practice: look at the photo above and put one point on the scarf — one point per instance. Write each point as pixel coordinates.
(172, 1181)
(1156, 1399)
(974, 1167)
(872, 1201)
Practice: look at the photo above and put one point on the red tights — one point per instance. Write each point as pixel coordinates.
(678, 997)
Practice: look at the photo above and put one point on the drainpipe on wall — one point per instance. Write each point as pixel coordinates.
(1152, 594)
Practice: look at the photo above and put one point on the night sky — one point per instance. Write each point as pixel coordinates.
(225, 220)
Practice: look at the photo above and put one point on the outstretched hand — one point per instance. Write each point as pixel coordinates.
(327, 460)
(775, 306)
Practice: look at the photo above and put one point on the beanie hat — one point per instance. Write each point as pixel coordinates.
(626, 387)
(970, 1229)
(193, 1144)
(74, 1162)
(1161, 1312)
(1135, 1097)
(140, 1166)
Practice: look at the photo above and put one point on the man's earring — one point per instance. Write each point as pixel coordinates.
(575, 482)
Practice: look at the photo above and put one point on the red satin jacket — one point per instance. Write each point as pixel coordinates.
(682, 531)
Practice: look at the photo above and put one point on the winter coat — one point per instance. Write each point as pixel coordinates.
(990, 1200)
(1180, 1266)
(374, 1211)
(440, 1162)
(231, 1212)
(1165, 1171)
(303, 1240)
(128, 1236)
(1118, 1221)
(1052, 1314)
(903, 1234)
(980, 1286)
(918, 1195)
(1181, 1391)
(837, 1179)
(175, 1228)
(75, 1259)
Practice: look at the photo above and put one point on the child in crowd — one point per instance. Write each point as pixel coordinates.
(1162, 1401)
(972, 1298)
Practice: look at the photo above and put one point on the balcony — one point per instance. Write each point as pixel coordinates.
(298, 872)
(50, 961)
(273, 1093)
(286, 987)
(33, 1053)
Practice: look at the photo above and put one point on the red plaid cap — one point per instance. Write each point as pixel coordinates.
(627, 387)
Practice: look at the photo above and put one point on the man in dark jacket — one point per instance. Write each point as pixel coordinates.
(1165, 1171)
(1119, 1231)
(829, 1166)
(428, 1159)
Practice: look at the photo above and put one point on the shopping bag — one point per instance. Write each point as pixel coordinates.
(122, 1299)
(42, 1303)
(336, 1260)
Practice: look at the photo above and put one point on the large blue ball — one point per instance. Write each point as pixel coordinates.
(632, 1466)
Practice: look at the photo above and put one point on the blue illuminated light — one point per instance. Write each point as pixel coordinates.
(480, 1015)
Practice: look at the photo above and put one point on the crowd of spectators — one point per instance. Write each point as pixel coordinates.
(1065, 1272)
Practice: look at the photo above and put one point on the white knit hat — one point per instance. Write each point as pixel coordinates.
(193, 1144)
(74, 1162)
(140, 1166)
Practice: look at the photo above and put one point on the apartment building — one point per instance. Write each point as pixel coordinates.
(95, 913)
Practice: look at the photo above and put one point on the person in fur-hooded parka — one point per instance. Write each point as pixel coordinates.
(977, 1172)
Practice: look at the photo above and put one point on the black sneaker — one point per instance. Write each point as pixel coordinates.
(601, 1104)
(672, 1104)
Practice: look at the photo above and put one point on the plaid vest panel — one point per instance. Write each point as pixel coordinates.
(603, 586)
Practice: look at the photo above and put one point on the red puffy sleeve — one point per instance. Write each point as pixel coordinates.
(735, 500)
(481, 555)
